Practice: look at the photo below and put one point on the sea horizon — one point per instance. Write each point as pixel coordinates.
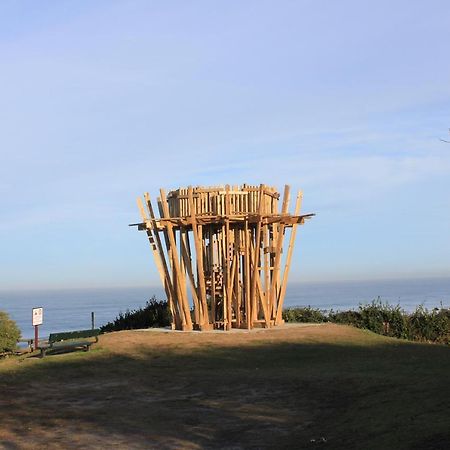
(68, 309)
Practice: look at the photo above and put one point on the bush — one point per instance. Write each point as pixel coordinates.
(304, 314)
(154, 314)
(9, 333)
(432, 325)
(346, 317)
(385, 319)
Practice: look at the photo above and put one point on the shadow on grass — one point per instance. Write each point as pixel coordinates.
(284, 395)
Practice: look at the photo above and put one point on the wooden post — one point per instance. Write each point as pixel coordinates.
(199, 254)
(256, 253)
(237, 281)
(198, 317)
(158, 254)
(187, 323)
(248, 312)
(287, 266)
(279, 244)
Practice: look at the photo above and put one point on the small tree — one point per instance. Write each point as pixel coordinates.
(9, 333)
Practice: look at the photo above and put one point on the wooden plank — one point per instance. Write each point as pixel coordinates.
(199, 254)
(224, 265)
(287, 266)
(248, 315)
(186, 254)
(177, 296)
(227, 242)
(150, 238)
(259, 295)
(167, 278)
(182, 277)
(279, 244)
(206, 323)
(212, 249)
(265, 232)
(178, 276)
(272, 238)
(256, 255)
(237, 283)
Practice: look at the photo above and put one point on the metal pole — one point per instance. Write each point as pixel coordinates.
(93, 319)
(36, 336)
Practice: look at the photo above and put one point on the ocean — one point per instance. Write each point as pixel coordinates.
(70, 309)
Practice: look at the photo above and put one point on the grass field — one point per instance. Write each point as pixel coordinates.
(310, 386)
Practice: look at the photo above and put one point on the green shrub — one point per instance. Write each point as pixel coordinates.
(346, 317)
(385, 319)
(304, 314)
(154, 314)
(9, 333)
(434, 325)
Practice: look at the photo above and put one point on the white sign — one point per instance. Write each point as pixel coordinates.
(38, 316)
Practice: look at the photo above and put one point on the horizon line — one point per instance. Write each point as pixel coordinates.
(160, 286)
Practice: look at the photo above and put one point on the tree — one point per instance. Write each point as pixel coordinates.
(9, 333)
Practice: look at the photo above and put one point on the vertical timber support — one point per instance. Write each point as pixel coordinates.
(177, 274)
(287, 266)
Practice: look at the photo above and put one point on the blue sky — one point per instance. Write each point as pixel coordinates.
(101, 101)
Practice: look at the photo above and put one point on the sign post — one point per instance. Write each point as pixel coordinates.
(37, 319)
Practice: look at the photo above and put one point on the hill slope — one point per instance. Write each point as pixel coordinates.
(323, 386)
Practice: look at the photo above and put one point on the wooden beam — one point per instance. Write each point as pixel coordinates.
(228, 277)
(199, 254)
(259, 294)
(171, 296)
(248, 313)
(256, 254)
(185, 251)
(279, 245)
(176, 260)
(287, 266)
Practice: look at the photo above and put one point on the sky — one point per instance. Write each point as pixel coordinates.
(101, 101)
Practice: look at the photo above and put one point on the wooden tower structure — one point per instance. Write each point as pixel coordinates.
(219, 253)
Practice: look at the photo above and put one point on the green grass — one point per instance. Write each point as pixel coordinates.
(367, 392)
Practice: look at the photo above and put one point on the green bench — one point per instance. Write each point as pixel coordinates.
(82, 339)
